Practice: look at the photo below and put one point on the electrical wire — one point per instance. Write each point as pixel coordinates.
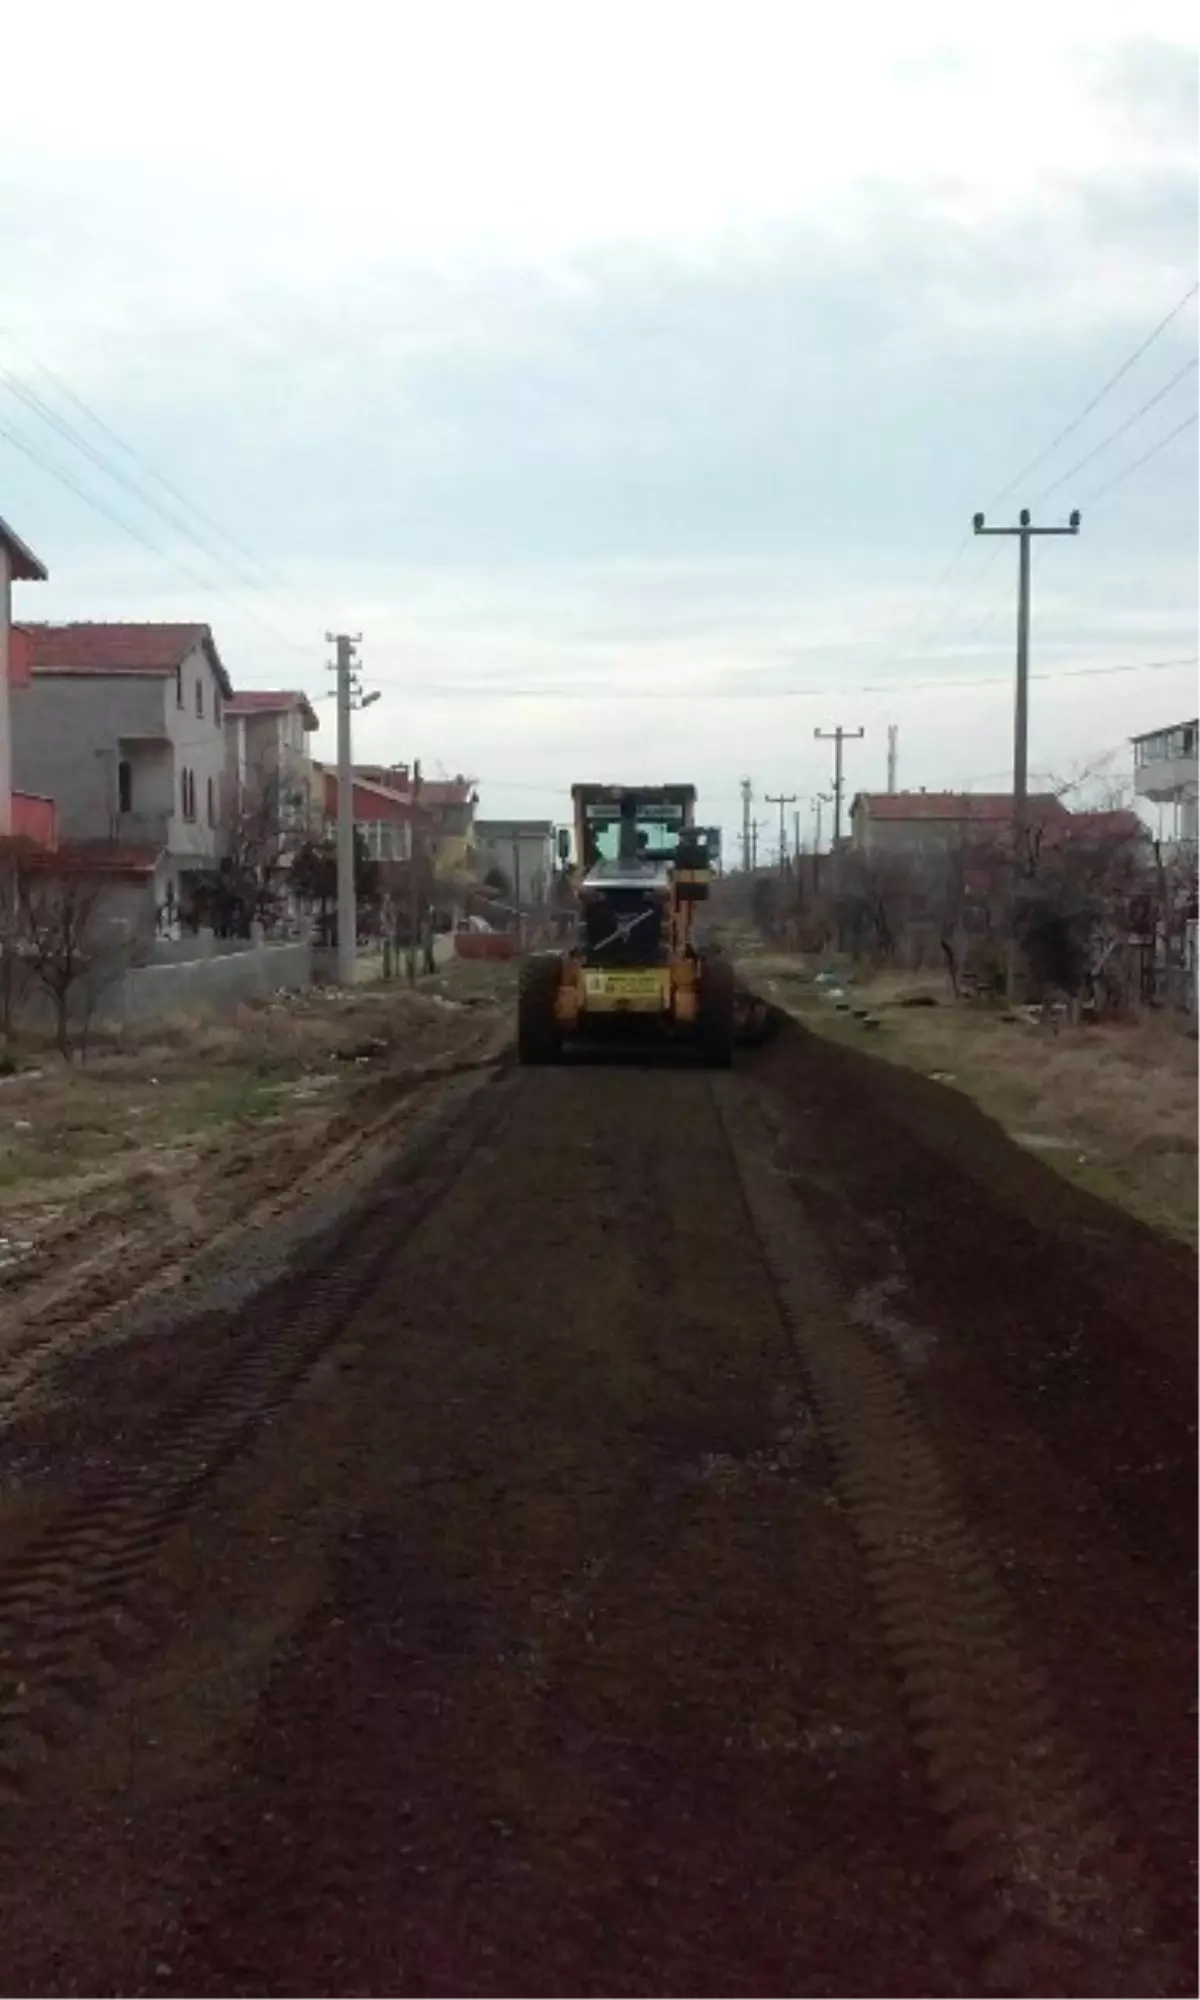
(1120, 477)
(127, 527)
(94, 417)
(1187, 369)
(1068, 430)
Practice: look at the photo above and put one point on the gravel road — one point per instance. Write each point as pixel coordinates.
(656, 1534)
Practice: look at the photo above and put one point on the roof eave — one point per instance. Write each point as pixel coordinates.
(26, 567)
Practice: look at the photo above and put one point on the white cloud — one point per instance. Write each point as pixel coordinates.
(654, 354)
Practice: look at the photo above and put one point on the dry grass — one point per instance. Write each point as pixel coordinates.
(1113, 1106)
(167, 1104)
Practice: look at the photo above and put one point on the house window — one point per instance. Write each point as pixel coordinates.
(124, 786)
(179, 687)
(187, 788)
(212, 804)
(217, 708)
(200, 698)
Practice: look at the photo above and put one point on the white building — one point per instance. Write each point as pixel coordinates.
(1165, 771)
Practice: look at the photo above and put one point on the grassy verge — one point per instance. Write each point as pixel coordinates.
(1111, 1107)
(164, 1101)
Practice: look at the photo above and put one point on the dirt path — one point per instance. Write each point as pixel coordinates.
(673, 1535)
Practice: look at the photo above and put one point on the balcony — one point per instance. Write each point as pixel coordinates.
(143, 829)
(35, 819)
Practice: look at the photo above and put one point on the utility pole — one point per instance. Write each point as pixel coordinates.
(516, 858)
(349, 697)
(1025, 531)
(747, 801)
(837, 737)
(754, 826)
(796, 838)
(822, 799)
(782, 800)
(893, 733)
(416, 856)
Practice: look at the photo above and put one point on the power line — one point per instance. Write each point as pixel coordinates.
(1120, 478)
(1069, 429)
(160, 478)
(127, 527)
(1187, 369)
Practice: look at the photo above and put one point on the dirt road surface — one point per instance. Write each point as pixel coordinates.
(661, 1533)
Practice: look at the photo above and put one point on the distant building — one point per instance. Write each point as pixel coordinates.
(1165, 771)
(518, 851)
(928, 823)
(267, 761)
(447, 808)
(23, 815)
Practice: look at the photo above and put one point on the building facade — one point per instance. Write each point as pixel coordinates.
(124, 727)
(1165, 769)
(919, 824)
(24, 815)
(517, 857)
(267, 755)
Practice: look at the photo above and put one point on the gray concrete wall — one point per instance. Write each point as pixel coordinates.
(61, 722)
(216, 984)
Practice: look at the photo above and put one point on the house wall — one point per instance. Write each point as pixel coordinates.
(495, 841)
(198, 743)
(65, 732)
(6, 765)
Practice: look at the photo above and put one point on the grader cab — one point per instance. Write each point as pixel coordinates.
(635, 966)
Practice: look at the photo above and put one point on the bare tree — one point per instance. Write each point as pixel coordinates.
(265, 822)
(70, 949)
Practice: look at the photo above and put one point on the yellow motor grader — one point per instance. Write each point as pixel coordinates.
(635, 967)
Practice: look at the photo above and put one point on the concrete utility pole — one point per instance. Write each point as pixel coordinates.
(782, 800)
(747, 802)
(416, 854)
(1025, 531)
(837, 737)
(893, 733)
(349, 696)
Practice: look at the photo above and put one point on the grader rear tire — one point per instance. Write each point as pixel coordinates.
(538, 1039)
(715, 1020)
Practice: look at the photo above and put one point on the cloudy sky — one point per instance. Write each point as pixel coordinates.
(627, 374)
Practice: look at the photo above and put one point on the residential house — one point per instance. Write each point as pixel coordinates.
(1165, 771)
(447, 808)
(23, 815)
(383, 815)
(267, 753)
(517, 857)
(916, 825)
(123, 726)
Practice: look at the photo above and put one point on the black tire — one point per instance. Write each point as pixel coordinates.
(714, 1022)
(538, 1038)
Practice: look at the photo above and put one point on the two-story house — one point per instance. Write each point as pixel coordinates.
(23, 816)
(1166, 769)
(267, 755)
(124, 726)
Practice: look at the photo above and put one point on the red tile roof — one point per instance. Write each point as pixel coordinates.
(121, 649)
(966, 806)
(272, 701)
(24, 565)
(1119, 825)
(101, 857)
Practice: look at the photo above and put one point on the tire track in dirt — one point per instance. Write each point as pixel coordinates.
(81, 1593)
(1055, 1902)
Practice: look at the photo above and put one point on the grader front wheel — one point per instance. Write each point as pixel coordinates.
(538, 1038)
(715, 1020)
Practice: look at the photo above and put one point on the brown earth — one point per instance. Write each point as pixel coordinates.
(675, 1535)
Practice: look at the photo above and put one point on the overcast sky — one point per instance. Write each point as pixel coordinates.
(628, 374)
